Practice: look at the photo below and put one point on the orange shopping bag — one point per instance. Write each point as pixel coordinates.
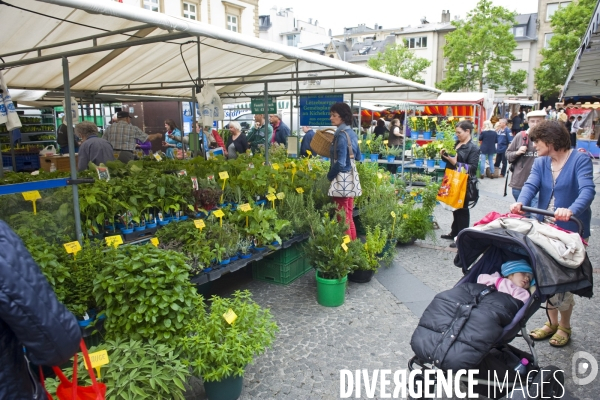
(453, 189)
(68, 390)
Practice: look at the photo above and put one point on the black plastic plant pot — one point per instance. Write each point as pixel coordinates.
(361, 276)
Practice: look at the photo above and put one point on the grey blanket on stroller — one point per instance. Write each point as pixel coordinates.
(461, 325)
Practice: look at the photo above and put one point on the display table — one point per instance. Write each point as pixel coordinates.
(61, 162)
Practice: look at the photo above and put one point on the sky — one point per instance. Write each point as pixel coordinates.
(335, 14)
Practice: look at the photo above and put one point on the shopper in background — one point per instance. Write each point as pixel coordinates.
(521, 153)
(487, 146)
(145, 147)
(467, 153)
(564, 180)
(34, 326)
(174, 146)
(309, 133)
(340, 116)
(572, 135)
(256, 134)
(502, 144)
(280, 130)
(62, 137)
(237, 142)
(380, 129)
(122, 135)
(93, 149)
(517, 122)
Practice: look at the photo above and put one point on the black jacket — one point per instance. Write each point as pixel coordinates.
(30, 317)
(460, 326)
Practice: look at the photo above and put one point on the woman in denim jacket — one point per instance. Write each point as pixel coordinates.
(340, 115)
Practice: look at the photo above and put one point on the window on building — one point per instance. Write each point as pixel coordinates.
(292, 40)
(547, 38)
(519, 31)
(232, 23)
(553, 7)
(417, 42)
(152, 5)
(190, 10)
(518, 54)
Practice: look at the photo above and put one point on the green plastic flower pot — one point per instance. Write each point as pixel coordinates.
(331, 292)
(229, 388)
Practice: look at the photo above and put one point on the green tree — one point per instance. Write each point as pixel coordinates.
(484, 40)
(568, 25)
(399, 61)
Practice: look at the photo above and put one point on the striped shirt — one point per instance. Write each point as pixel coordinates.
(122, 136)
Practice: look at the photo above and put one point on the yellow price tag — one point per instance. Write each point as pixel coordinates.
(461, 119)
(413, 119)
(450, 118)
(385, 141)
(434, 119)
(199, 223)
(360, 141)
(114, 241)
(347, 239)
(280, 195)
(31, 196)
(157, 157)
(271, 190)
(345, 247)
(393, 214)
(154, 241)
(275, 166)
(98, 359)
(293, 164)
(309, 152)
(219, 213)
(245, 207)
(271, 197)
(224, 175)
(230, 316)
(300, 190)
(424, 116)
(72, 247)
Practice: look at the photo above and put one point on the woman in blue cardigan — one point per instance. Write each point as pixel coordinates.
(564, 180)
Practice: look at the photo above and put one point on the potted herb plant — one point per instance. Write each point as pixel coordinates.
(371, 252)
(225, 339)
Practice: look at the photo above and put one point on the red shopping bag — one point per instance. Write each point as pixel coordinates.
(68, 390)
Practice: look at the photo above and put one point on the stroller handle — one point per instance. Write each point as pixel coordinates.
(551, 214)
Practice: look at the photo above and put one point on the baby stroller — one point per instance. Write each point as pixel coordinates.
(483, 252)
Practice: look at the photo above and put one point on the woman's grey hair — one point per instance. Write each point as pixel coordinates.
(236, 125)
(86, 128)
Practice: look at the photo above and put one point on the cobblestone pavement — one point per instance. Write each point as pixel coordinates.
(372, 329)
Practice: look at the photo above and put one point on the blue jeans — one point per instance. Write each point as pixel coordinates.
(534, 201)
(490, 159)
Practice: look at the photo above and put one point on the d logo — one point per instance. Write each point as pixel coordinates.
(581, 367)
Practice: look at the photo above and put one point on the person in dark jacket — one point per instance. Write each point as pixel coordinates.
(62, 138)
(340, 115)
(33, 323)
(380, 129)
(93, 149)
(504, 138)
(309, 133)
(237, 143)
(280, 130)
(467, 153)
(517, 121)
(487, 147)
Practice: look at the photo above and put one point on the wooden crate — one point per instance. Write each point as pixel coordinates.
(61, 162)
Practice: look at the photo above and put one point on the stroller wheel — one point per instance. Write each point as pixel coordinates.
(549, 383)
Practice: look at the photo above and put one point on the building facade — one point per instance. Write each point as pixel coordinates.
(235, 15)
(282, 26)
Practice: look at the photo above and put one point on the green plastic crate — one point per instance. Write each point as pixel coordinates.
(286, 256)
(280, 273)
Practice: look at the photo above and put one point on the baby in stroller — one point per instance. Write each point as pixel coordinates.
(519, 278)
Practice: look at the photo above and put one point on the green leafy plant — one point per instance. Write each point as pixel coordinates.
(136, 371)
(146, 293)
(216, 349)
(413, 223)
(375, 242)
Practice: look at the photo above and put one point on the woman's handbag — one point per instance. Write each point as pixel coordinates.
(346, 184)
(321, 142)
(472, 195)
(69, 390)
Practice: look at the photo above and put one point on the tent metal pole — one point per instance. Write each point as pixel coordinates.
(352, 108)
(267, 122)
(69, 115)
(94, 109)
(403, 141)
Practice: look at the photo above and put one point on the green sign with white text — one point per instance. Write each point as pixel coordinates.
(257, 105)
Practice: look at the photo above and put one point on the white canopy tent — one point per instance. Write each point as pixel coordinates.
(114, 50)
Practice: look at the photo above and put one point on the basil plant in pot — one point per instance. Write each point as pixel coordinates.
(331, 260)
(225, 339)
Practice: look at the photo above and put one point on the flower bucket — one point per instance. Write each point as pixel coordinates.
(427, 135)
(430, 163)
(245, 256)
(150, 226)
(419, 162)
(225, 261)
(439, 135)
(183, 218)
(234, 258)
(125, 231)
(391, 159)
(374, 157)
(362, 157)
(325, 158)
(163, 223)
(442, 164)
(229, 388)
(139, 228)
(331, 292)
(361, 276)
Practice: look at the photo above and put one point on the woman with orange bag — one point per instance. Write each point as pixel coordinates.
(467, 154)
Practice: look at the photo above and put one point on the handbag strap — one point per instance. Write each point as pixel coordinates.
(349, 147)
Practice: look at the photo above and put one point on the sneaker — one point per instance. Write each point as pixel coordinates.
(449, 237)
